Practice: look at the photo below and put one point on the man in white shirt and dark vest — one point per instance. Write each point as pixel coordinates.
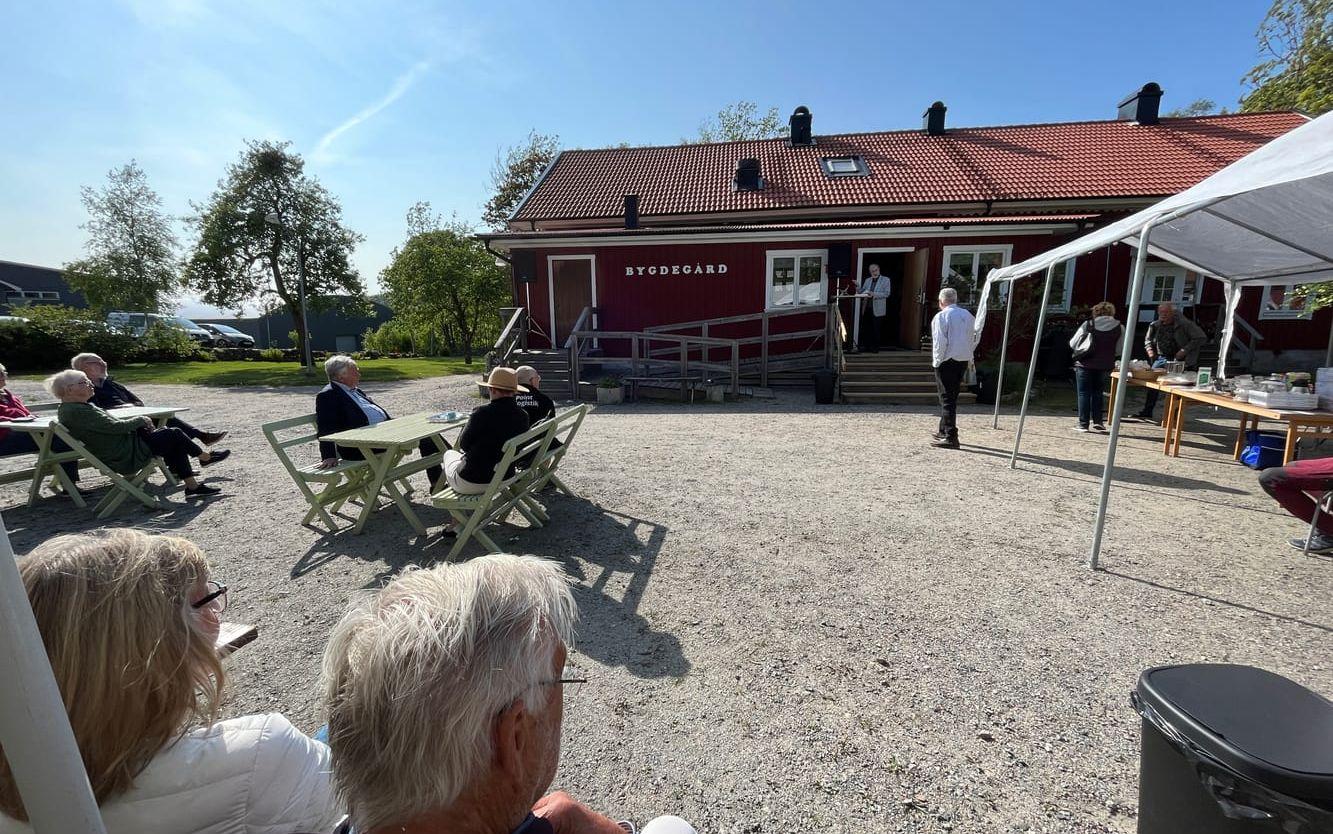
(873, 309)
(951, 351)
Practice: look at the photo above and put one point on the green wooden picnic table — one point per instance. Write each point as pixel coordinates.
(385, 445)
(48, 460)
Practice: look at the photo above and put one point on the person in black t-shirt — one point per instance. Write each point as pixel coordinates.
(538, 406)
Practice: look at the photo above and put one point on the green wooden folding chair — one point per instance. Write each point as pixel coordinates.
(337, 484)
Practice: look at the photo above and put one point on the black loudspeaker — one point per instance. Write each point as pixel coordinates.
(839, 260)
(525, 267)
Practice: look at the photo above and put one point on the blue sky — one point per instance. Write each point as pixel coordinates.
(394, 102)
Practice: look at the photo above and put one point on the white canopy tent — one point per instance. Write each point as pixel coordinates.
(1265, 219)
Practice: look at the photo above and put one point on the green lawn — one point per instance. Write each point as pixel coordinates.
(228, 374)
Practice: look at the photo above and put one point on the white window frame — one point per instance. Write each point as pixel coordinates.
(1063, 305)
(976, 251)
(1283, 314)
(795, 254)
(1147, 305)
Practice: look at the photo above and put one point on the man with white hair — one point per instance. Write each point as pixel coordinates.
(951, 343)
(109, 394)
(537, 405)
(341, 406)
(444, 698)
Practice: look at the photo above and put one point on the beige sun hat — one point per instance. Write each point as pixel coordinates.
(504, 379)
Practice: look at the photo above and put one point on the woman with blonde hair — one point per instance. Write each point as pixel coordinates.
(130, 623)
(1096, 345)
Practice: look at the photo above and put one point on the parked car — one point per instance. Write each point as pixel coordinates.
(224, 335)
(138, 324)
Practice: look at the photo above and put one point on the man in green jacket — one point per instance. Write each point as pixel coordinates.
(126, 444)
(1171, 338)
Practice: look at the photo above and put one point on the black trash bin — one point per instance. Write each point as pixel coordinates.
(825, 383)
(1233, 750)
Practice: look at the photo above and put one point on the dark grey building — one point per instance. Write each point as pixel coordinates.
(27, 284)
(331, 330)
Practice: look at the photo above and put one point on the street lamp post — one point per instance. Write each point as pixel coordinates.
(275, 219)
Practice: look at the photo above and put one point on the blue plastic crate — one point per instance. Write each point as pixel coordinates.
(1263, 449)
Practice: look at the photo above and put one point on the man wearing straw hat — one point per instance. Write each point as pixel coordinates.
(470, 466)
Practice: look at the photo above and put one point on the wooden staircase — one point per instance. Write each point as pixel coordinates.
(552, 365)
(897, 377)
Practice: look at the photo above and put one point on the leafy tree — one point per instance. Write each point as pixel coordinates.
(239, 256)
(742, 121)
(444, 278)
(514, 173)
(1198, 107)
(131, 262)
(1296, 36)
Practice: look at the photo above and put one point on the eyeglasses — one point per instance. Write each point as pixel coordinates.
(216, 597)
(569, 674)
(86, 382)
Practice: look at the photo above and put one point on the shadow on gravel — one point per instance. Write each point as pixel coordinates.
(1218, 600)
(30, 526)
(1123, 474)
(604, 552)
(609, 555)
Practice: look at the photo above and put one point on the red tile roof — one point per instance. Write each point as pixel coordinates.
(1062, 161)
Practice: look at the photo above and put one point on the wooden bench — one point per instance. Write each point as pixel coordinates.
(338, 483)
(513, 493)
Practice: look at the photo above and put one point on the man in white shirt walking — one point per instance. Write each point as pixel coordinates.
(873, 309)
(951, 351)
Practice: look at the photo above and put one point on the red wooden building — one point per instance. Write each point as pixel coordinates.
(757, 238)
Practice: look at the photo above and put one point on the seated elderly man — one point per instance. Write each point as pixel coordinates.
(444, 697)
(341, 405)
(108, 394)
(482, 442)
(537, 405)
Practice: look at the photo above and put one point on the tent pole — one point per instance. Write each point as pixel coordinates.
(1032, 365)
(1328, 354)
(1004, 347)
(1132, 323)
(34, 728)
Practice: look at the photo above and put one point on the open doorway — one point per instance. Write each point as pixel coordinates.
(892, 261)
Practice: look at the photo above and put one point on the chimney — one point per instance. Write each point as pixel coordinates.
(747, 175)
(631, 211)
(933, 119)
(1141, 105)
(800, 127)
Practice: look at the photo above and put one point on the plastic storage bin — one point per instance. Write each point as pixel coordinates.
(1233, 750)
(1263, 450)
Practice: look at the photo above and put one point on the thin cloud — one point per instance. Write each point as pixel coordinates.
(400, 87)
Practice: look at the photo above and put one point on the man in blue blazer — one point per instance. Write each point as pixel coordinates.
(341, 406)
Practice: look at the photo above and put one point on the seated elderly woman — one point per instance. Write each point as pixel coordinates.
(17, 442)
(126, 444)
(341, 405)
(130, 622)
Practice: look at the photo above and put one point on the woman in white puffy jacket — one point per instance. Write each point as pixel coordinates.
(130, 623)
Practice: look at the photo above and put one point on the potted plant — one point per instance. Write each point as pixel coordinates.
(610, 390)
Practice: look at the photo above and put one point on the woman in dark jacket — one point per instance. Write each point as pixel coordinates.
(1101, 337)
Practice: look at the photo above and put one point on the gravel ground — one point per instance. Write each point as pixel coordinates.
(805, 619)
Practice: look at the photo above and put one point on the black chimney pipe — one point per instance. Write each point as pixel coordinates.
(631, 211)
(800, 127)
(933, 119)
(1141, 106)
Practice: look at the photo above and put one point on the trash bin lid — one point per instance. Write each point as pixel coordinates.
(1257, 723)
